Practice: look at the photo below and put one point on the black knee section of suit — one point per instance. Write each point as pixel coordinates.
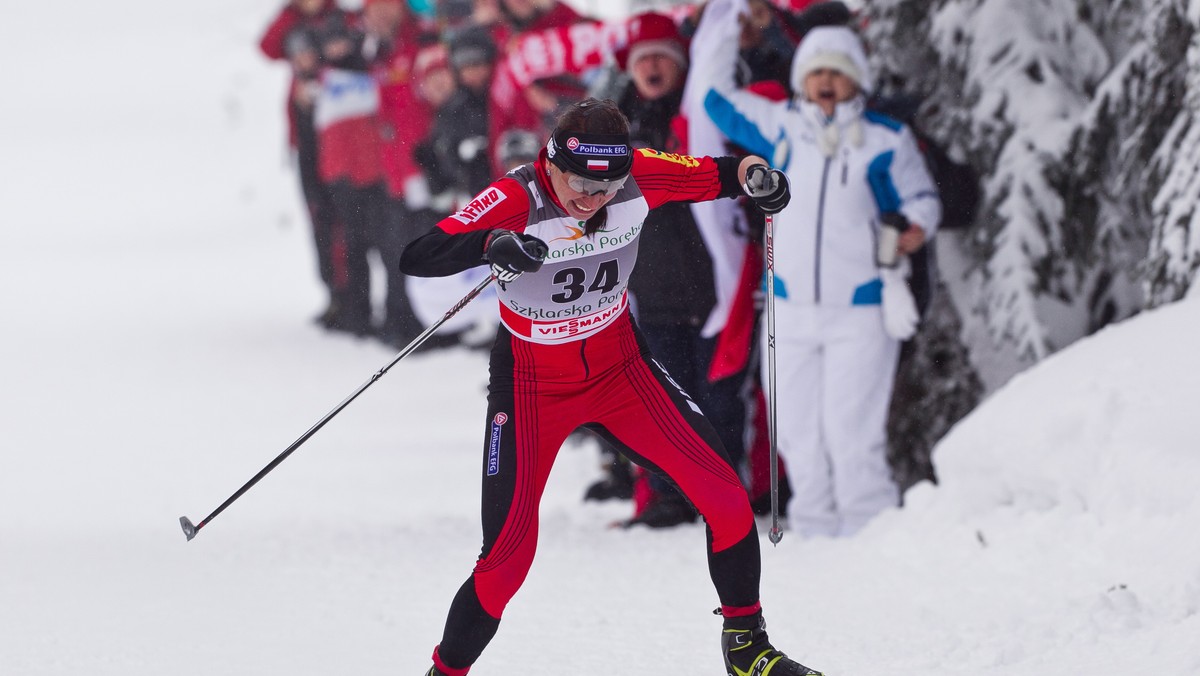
(469, 629)
(736, 571)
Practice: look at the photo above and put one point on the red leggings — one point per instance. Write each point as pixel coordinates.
(539, 394)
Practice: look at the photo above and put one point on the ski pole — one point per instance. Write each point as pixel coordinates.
(776, 533)
(191, 530)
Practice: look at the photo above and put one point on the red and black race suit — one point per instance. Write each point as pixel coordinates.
(570, 355)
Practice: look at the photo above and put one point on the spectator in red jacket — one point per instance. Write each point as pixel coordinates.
(396, 39)
(544, 100)
(292, 35)
(347, 121)
(296, 15)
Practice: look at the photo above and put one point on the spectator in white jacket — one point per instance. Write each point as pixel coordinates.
(842, 305)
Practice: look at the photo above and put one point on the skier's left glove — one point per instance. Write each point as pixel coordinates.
(512, 254)
(768, 188)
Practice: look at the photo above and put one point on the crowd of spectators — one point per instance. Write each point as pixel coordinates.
(401, 112)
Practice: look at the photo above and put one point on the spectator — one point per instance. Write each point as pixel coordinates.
(454, 14)
(840, 310)
(435, 80)
(764, 48)
(460, 132)
(674, 297)
(349, 146)
(764, 54)
(453, 132)
(797, 17)
(537, 105)
(436, 86)
(517, 147)
(294, 35)
(521, 16)
(569, 355)
(395, 42)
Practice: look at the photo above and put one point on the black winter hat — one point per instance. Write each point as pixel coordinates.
(455, 11)
(471, 46)
(518, 146)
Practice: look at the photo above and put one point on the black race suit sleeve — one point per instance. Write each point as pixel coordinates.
(438, 253)
(456, 242)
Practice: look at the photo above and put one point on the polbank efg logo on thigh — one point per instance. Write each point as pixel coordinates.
(493, 466)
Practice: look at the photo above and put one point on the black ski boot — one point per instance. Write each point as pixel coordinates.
(617, 483)
(667, 508)
(748, 652)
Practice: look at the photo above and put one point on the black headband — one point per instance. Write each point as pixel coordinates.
(603, 157)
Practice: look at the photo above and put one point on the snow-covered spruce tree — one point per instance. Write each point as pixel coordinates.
(1074, 112)
(1082, 123)
(1028, 67)
(1119, 158)
(936, 386)
(1174, 252)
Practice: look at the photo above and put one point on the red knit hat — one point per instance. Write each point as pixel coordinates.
(653, 33)
(429, 59)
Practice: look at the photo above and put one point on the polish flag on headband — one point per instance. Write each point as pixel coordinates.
(597, 165)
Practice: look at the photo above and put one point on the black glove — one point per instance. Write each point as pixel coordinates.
(768, 188)
(891, 225)
(512, 253)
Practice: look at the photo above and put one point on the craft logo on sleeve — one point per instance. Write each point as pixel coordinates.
(493, 462)
(485, 202)
(685, 160)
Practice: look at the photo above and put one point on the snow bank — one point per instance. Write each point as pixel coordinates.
(1094, 429)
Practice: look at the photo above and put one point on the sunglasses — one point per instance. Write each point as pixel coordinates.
(591, 187)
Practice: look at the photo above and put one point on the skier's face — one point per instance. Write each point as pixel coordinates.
(827, 88)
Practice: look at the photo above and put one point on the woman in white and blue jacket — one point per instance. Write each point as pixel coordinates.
(839, 314)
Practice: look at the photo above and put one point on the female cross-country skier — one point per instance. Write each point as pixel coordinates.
(561, 236)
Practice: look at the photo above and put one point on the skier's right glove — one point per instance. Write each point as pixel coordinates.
(512, 253)
(768, 188)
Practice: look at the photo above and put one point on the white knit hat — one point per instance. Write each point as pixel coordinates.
(668, 48)
(833, 47)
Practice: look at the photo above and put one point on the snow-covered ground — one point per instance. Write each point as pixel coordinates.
(157, 284)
